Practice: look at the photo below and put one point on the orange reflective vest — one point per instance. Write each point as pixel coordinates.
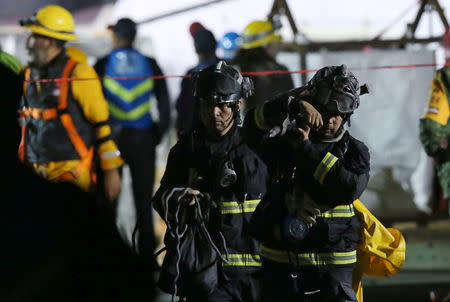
(57, 116)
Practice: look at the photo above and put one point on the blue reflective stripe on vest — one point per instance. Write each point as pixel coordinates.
(129, 100)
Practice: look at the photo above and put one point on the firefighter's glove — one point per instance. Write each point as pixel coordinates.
(308, 211)
(302, 111)
(187, 198)
(176, 201)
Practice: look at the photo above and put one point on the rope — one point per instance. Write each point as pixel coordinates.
(253, 73)
(177, 235)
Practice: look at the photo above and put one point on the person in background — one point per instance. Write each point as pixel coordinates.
(62, 246)
(258, 52)
(435, 128)
(134, 129)
(64, 122)
(205, 46)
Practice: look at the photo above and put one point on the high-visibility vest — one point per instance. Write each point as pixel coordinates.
(54, 127)
(129, 99)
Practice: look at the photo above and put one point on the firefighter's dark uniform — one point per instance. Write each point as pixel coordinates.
(331, 173)
(236, 203)
(198, 161)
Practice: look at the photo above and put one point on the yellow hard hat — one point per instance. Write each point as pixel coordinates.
(258, 33)
(76, 54)
(52, 21)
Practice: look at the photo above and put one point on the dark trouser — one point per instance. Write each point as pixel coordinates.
(331, 284)
(241, 288)
(137, 148)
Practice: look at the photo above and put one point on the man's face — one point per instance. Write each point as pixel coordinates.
(37, 47)
(331, 124)
(217, 119)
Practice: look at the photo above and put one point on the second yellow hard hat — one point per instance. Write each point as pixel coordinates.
(259, 33)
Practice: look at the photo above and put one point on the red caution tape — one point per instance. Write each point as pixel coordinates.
(253, 73)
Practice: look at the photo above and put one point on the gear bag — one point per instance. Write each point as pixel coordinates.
(190, 266)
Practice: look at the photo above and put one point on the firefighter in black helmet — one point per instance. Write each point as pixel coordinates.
(306, 222)
(214, 160)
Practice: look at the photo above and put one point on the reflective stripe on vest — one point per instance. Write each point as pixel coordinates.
(242, 260)
(131, 115)
(234, 207)
(339, 211)
(129, 96)
(324, 167)
(309, 259)
(259, 117)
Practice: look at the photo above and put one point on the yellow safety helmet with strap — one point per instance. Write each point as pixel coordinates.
(259, 33)
(52, 21)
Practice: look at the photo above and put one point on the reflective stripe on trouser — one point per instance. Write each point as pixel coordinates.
(242, 260)
(324, 167)
(310, 259)
(234, 207)
(342, 211)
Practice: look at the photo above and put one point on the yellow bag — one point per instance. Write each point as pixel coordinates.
(381, 252)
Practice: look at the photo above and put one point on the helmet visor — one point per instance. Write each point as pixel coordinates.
(216, 100)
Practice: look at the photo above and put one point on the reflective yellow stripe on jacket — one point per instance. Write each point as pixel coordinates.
(242, 260)
(324, 167)
(343, 211)
(234, 207)
(259, 117)
(308, 259)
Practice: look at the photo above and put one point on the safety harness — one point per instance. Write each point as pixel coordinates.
(61, 112)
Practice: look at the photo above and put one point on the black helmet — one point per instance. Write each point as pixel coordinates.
(336, 90)
(221, 83)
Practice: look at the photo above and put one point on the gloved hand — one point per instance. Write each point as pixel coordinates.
(187, 198)
(302, 111)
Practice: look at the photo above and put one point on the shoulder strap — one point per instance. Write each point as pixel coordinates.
(26, 78)
(65, 117)
(64, 88)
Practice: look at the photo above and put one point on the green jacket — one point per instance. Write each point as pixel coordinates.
(435, 129)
